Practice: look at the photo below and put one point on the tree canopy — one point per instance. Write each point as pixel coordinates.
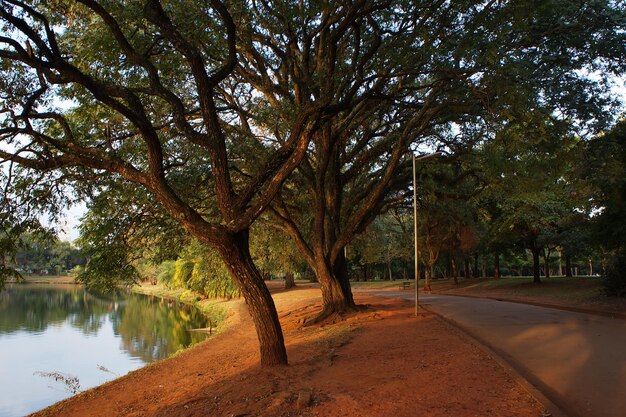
(215, 111)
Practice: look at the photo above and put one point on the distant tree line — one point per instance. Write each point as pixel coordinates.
(47, 257)
(530, 202)
(535, 202)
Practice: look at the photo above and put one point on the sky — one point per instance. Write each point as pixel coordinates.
(71, 220)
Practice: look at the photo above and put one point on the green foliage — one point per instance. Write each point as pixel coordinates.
(199, 269)
(166, 273)
(531, 192)
(209, 275)
(124, 243)
(604, 167)
(387, 239)
(18, 231)
(211, 278)
(107, 268)
(48, 254)
(273, 253)
(182, 273)
(370, 69)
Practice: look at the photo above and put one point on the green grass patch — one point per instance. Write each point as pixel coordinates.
(51, 279)
(558, 288)
(378, 284)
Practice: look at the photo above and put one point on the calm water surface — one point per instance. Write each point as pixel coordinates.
(64, 329)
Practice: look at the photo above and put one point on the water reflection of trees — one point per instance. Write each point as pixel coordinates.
(153, 328)
(150, 328)
(33, 308)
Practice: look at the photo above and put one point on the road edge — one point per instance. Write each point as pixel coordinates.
(509, 366)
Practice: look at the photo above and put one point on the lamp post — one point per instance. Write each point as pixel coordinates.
(417, 273)
(415, 225)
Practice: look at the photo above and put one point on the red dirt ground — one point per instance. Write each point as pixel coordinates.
(380, 362)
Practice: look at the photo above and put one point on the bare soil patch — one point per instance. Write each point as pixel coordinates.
(379, 362)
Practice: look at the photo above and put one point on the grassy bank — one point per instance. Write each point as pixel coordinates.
(562, 288)
(49, 279)
(217, 310)
(379, 283)
(572, 289)
(575, 292)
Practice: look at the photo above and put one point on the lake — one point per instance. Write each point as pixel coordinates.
(55, 337)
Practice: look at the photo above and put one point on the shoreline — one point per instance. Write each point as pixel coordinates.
(354, 366)
(211, 308)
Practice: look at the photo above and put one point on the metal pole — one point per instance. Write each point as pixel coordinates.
(417, 274)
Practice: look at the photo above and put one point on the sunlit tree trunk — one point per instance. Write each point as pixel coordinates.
(258, 298)
(336, 292)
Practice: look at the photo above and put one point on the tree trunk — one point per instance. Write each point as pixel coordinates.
(496, 266)
(428, 276)
(289, 280)
(334, 300)
(475, 269)
(455, 272)
(590, 267)
(560, 263)
(467, 268)
(546, 262)
(336, 292)
(236, 256)
(536, 265)
(568, 266)
(482, 267)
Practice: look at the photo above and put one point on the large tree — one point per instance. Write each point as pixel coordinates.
(209, 107)
(412, 72)
(121, 90)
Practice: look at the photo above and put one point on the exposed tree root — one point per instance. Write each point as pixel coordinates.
(333, 314)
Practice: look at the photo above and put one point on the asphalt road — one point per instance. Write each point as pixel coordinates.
(577, 360)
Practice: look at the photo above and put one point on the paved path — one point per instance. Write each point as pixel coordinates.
(577, 360)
